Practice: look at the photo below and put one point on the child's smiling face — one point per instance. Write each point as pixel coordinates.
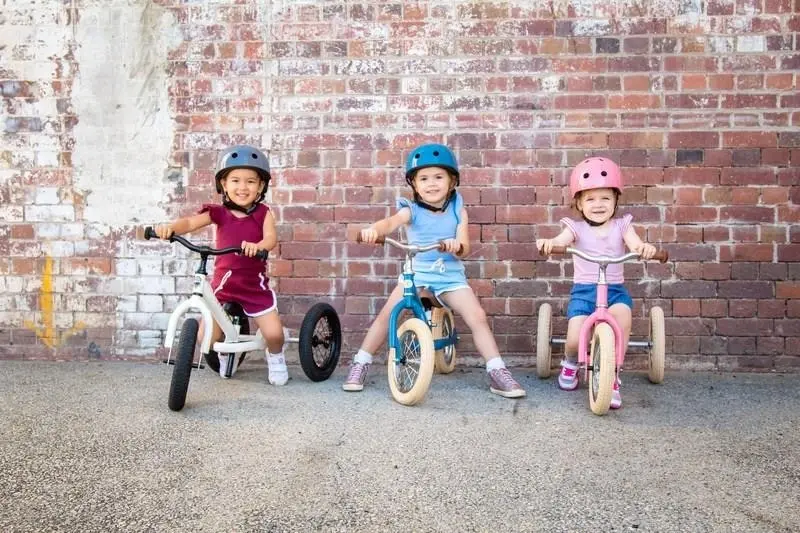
(243, 186)
(433, 185)
(597, 205)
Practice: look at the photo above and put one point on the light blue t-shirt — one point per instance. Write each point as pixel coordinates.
(426, 227)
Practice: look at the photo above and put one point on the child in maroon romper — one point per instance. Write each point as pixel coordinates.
(242, 221)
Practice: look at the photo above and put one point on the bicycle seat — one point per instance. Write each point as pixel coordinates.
(428, 298)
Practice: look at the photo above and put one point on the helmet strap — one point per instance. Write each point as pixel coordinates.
(430, 207)
(227, 202)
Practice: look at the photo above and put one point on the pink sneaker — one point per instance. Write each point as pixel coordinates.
(502, 382)
(356, 378)
(568, 378)
(616, 399)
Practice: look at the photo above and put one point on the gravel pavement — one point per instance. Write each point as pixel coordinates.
(93, 447)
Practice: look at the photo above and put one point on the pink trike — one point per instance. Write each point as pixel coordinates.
(599, 368)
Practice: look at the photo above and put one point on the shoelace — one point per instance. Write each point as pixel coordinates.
(504, 377)
(356, 372)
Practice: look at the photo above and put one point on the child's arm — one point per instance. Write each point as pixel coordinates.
(637, 245)
(183, 225)
(565, 238)
(461, 242)
(269, 240)
(386, 226)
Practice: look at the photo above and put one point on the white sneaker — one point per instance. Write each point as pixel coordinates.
(278, 374)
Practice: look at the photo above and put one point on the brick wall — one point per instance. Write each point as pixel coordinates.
(112, 115)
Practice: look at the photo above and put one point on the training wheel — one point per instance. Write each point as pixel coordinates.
(544, 332)
(320, 342)
(657, 346)
(444, 359)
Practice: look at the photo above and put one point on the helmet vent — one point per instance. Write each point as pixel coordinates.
(436, 153)
(586, 175)
(604, 173)
(234, 155)
(254, 156)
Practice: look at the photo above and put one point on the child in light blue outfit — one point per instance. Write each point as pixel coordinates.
(436, 213)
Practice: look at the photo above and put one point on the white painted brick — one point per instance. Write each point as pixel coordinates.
(146, 321)
(125, 338)
(46, 195)
(151, 303)
(14, 283)
(149, 285)
(60, 248)
(46, 158)
(125, 267)
(54, 213)
(127, 303)
(72, 231)
(750, 43)
(22, 302)
(176, 267)
(48, 231)
(149, 267)
(96, 320)
(150, 339)
(11, 319)
(11, 213)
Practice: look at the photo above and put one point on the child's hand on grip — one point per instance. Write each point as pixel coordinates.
(164, 231)
(369, 235)
(545, 246)
(645, 251)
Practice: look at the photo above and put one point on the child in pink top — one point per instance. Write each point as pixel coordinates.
(595, 186)
(242, 220)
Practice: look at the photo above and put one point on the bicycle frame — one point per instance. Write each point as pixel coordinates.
(601, 313)
(203, 301)
(411, 300)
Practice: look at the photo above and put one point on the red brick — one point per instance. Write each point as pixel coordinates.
(750, 139)
(746, 252)
(708, 139)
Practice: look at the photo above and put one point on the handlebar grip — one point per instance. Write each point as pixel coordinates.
(150, 233)
(661, 255)
(262, 254)
(460, 248)
(380, 240)
(558, 250)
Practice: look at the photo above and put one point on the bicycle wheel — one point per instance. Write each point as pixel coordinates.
(602, 369)
(320, 342)
(657, 345)
(182, 370)
(544, 333)
(444, 360)
(410, 371)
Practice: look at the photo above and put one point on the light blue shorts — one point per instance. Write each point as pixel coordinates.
(439, 283)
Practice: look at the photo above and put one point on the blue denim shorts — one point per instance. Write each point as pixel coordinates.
(583, 296)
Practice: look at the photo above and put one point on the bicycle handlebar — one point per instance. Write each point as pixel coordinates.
(150, 233)
(413, 248)
(661, 255)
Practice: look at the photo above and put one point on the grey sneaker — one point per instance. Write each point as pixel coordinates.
(501, 382)
(356, 378)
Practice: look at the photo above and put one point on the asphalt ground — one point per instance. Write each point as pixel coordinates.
(92, 446)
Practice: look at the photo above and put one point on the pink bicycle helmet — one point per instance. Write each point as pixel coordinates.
(595, 173)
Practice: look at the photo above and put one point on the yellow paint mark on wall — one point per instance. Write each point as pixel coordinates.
(47, 332)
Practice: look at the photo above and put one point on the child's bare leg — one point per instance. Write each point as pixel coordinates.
(272, 330)
(216, 334)
(623, 315)
(466, 304)
(374, 339)
(573, 335)
(568, 377)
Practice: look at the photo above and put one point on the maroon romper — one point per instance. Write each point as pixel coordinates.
(238, 278)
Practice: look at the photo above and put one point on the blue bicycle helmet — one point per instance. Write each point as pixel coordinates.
(430, 155)
(243, 156)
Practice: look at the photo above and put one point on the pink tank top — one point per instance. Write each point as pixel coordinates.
(588, 240)
(232, 230)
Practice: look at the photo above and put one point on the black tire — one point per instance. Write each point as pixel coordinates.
(182, 370)
(233, 310)
(320, 342)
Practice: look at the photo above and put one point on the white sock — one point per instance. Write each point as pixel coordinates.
(276, 366)
(363, 357)
(223, 364)
(494, 364)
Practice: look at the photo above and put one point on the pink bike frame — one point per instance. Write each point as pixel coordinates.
(600, 315)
